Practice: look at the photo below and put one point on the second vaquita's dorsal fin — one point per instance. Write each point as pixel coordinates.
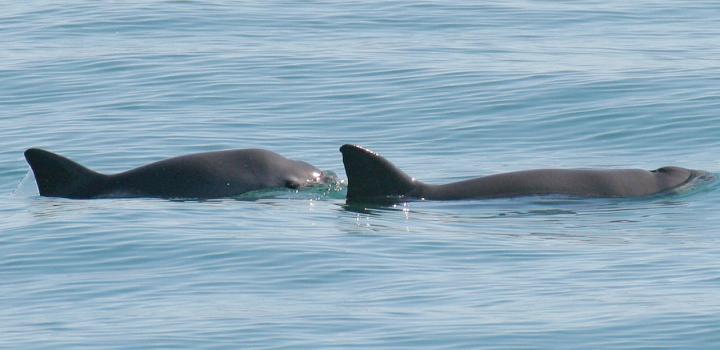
(372, 177)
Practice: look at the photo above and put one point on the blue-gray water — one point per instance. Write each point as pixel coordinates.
(447, 90)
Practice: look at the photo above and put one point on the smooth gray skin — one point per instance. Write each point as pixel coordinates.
(198, 176)
(371, 177)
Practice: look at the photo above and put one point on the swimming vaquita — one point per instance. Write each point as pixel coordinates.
(371, 177)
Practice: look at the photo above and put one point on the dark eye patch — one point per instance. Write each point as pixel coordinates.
(292, 184)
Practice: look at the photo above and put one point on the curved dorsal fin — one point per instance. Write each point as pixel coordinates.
(372, 177)
(57, 176)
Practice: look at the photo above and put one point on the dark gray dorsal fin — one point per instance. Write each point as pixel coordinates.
(57, 176)
(372, 177)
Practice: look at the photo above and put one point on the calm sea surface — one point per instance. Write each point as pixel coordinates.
(447, 90)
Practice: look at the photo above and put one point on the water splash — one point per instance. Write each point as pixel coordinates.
(27, 186)
(334, 188)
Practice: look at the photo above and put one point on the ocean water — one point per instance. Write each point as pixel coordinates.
(447, 90)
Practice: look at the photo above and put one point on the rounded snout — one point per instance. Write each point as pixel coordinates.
(674, 176)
